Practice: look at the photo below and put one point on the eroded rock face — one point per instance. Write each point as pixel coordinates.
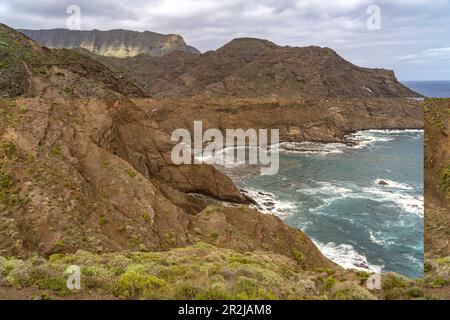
(254, 68)
(127, 131)
(68, 189)
(240, 227)
(437, 178)
(113, 43)
(320, 120)
(83, 167)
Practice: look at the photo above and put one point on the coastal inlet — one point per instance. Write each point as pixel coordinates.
(361, 204)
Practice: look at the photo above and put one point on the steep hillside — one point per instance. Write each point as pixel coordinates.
(113, 43)
(437, 177)
(27, 69)
(437, 197)
(86, 179)
(258, 68)
(83, 167)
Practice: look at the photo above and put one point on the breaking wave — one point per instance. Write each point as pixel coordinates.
(347, 257)
(268, 203)
(409, 203)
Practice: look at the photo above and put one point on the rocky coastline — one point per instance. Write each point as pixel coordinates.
(85, 167)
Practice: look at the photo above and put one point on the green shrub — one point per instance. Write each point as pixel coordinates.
(329, 282)
(246, 285)
(187, 291)
(55, 284)
(414, 292)
(131, 173)
(135, 285)
(394, 294)
(102, 220)
(216, 292)
(5, 181)
(15, 271)
(67, 90)
(9, 149)
(298, 256)
(56, 151)
(328, 271)
(350, 291)
(445, 178)
(146, 217)
(438, 283)
(390, 281)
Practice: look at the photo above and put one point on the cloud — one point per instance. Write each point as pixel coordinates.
(411, 29)
(438, 51)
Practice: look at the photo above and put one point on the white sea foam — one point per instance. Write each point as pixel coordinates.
(393, 193)
(366, 137)
(413, 259)
(358, 140)
(226, 156)
(326, 188)
(347, 257)
(407, 202)
(362, 139)
(375, 240)
(394, 131)
(328, 193)
(312, 147)
(269, 203)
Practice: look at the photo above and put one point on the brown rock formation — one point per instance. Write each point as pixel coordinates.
(83, 167)
(437, 178)
(255, 68)
(322, 120)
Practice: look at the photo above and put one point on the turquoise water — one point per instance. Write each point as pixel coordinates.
(333, 193)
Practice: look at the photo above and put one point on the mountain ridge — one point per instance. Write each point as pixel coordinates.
(251, 67)
(118, 43)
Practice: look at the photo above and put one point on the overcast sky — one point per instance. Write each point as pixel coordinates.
(413, 37)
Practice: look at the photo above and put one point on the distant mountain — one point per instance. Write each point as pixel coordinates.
(114, 43)
(250, 67)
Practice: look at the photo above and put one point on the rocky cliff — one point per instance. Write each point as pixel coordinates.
(255, 68)
(437, 177)
(83, 167)
(437, 197)
(321, 120)
(86, 179)
(113, 43)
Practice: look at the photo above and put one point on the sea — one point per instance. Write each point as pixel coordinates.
(431, 89)
(362, 204)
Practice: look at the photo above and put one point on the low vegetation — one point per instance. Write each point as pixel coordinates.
(201, 271)
(437, 277)
(445, 178)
